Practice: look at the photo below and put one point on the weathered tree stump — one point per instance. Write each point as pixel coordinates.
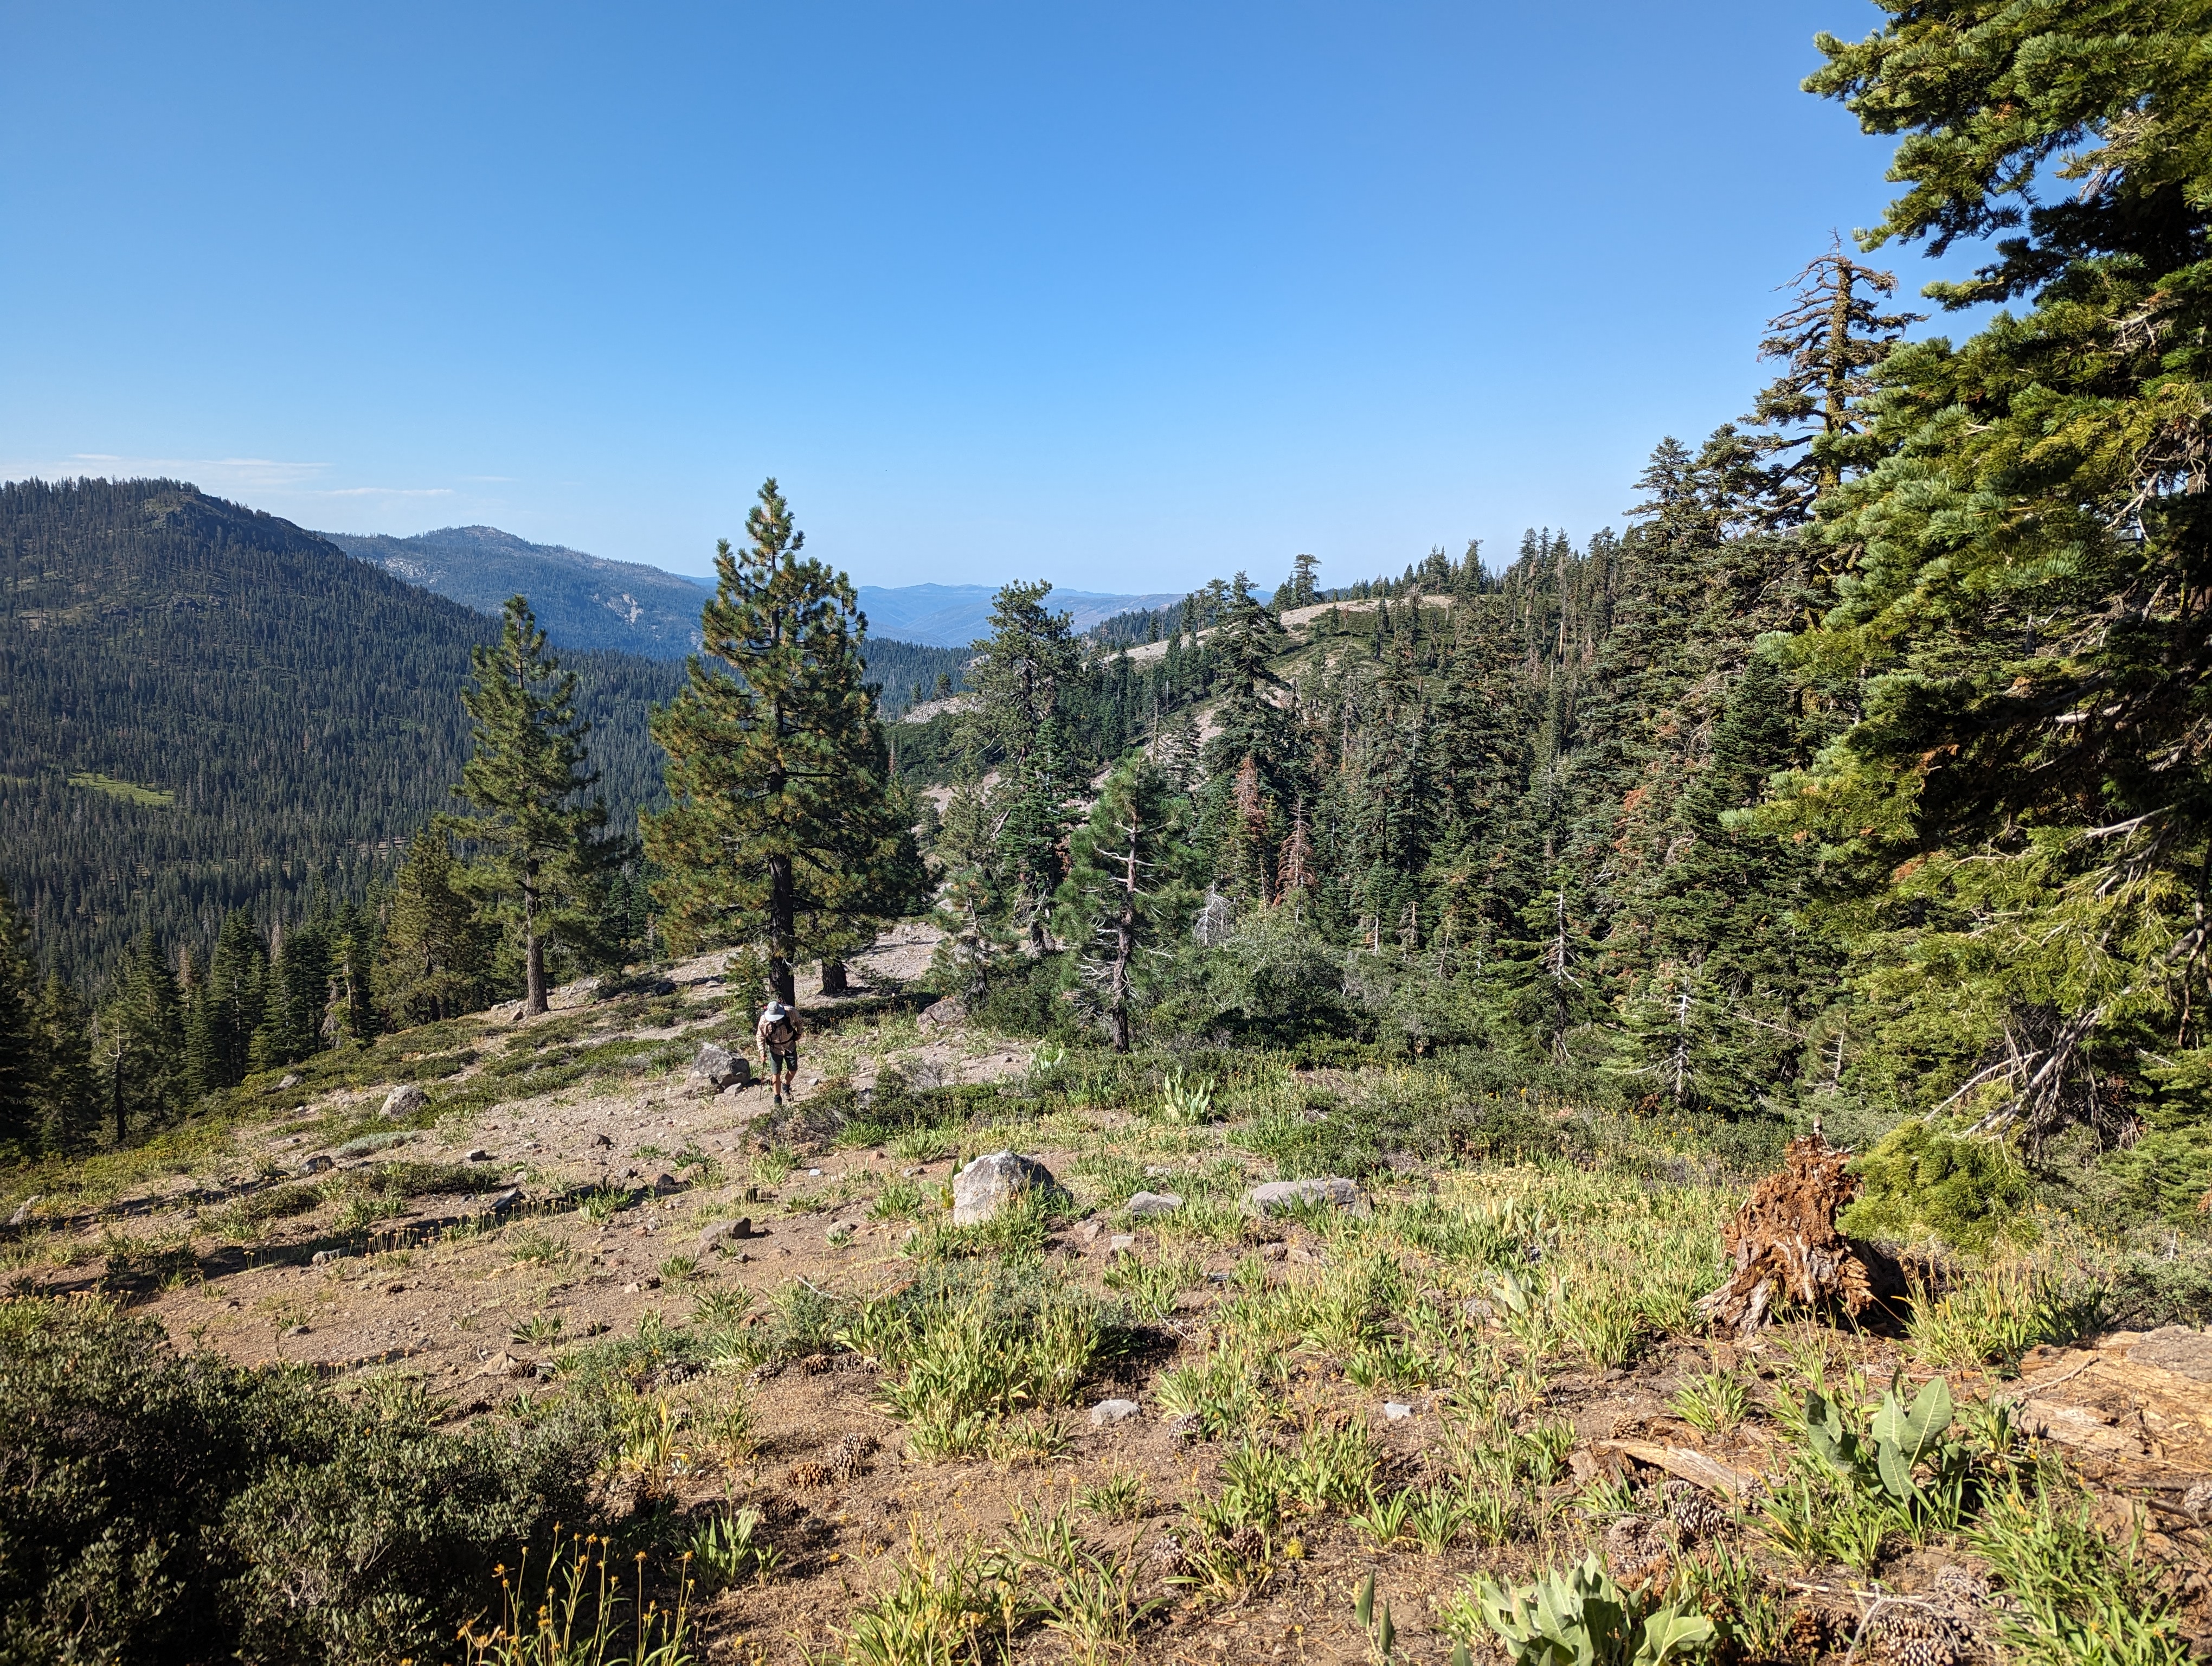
(1784, 1244)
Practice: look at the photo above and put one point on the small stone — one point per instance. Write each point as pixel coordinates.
(1087, 1231)
(315, 1164)
(1306, 1257)
(1396, 1411)
(290, 1078)
(601, 1142)
(476, 1154)
(632, 1288)
(322, 1257)
(985, 1185)
(506, 1365)
(1289, 1194)
(1120, 1242)
(502, 1201)
(297, 1330)
(405, 1100)
(663, 1184)
(1154, 1203)
(1275, 1250)
(1112, 1411)
(840, 1231)
(721, 1232)
(22, 1215)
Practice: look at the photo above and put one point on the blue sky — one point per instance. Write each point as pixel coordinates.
(1122, 295)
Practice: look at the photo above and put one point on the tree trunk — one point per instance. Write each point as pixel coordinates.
(833, 978)
(533, 954)
(782, 931)
(1125, 942)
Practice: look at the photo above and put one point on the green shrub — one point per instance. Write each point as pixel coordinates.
(1970, 1193)
(172, 1508)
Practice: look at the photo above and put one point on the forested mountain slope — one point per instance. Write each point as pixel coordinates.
(582, 601)
(204, 708)
(585, 602)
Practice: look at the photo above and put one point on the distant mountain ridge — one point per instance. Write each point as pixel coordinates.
(583, 602)
(590, 602)
(955, 615)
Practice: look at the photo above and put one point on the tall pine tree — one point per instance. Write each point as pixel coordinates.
(782, 821)
(540, 851)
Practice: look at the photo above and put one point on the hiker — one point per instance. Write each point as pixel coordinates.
(778, 1033)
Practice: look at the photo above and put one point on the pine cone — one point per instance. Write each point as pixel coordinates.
(807, 1474)
(1639, 1547)
(846, 1459)
(1696, 1514)
(1245, 1544)
(1911, 1631)
(1808, 1635)
(1166, 1555)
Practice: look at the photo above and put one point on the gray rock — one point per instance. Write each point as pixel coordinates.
(1289, 1194)
(1395, 1411)
(1120, 1242)
(478, 1154)
(663, 1184)
(1086, 1232)
(405, 1100)
(717, 1067)
(324, 1258)
(502, 1201)
(985, 1185)
(1112, 1411)
(948, 1013)
(1154, 1203)
(315, 1164)
(2174, 1347)
(722, 1231)
(297, 1330)
(22, 1215)
(289, 1080)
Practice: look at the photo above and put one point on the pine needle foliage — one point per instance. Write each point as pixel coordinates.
(783, 824)
(540, 855)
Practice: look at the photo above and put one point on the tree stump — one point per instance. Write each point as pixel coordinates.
(1784, 1244)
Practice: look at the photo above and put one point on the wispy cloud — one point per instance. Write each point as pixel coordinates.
(384, 491)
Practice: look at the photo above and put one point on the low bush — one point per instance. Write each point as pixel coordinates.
(165, 1507)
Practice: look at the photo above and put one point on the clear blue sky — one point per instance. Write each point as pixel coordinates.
(1122, 295)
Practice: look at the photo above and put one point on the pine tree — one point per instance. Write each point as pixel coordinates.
(1830, 340)
(2022, 794)
(1118, 902)
(435, 960)
(1739, 975)
(69, 1086)
(233, 1001)
(539, 849)
(21, 1056)
(1015, 726)
(782, 821)
(295, 996)
(141, 1044)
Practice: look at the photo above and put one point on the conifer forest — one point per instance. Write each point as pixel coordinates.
(1645, 1097)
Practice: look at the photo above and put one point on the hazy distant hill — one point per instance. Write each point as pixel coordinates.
(583, 601)
(955, 615)
(204, 708)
